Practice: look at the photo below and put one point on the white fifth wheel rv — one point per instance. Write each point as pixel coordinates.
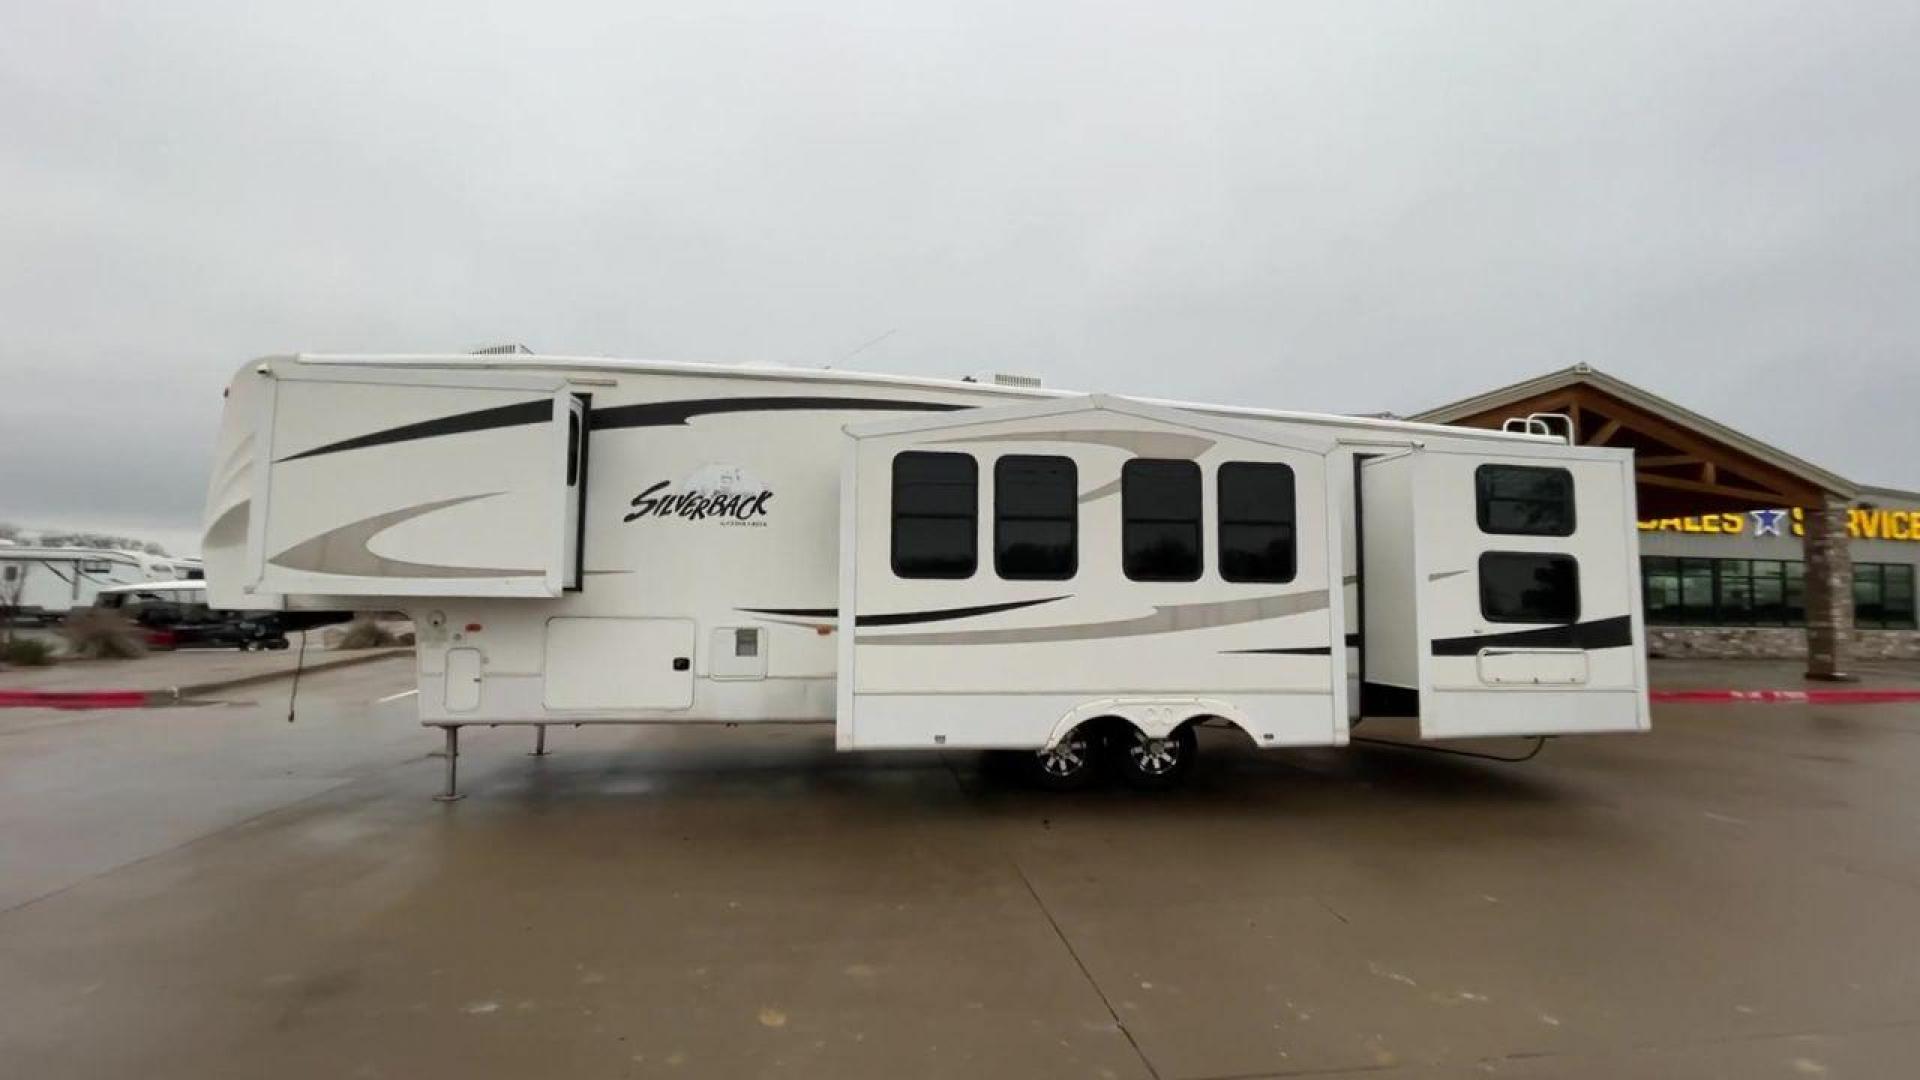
(41, 584)
(930, 563)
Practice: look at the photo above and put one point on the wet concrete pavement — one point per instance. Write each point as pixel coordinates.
(210, 892)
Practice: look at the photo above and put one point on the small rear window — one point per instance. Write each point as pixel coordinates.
(1529, 587)
(1524, 500)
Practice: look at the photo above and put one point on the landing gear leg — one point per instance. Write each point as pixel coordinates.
(452, 754)
(539, 741)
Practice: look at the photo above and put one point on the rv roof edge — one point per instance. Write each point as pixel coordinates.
(1124, 406)
(863, 378)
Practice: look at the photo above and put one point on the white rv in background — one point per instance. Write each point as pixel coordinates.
(42, 584)
(929, 563)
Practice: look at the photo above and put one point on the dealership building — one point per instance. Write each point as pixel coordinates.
(1745, 549)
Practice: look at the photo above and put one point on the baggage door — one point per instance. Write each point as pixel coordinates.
(413, 482)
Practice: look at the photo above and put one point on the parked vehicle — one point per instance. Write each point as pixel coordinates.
(931, 563)
(41, 584)
(175, 615)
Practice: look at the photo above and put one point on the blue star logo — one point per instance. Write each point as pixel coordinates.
(1767, 522)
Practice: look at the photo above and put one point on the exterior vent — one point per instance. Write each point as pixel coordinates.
(1001, 378)
(516, 349)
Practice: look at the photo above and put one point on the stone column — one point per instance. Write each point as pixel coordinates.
(1829, 588)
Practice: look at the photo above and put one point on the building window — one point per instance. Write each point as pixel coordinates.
(1766, 592)
(1524, 500)
(1036, 513)
(1256, 522)
(96, 566)
(1529, 587)
(1660, 585)
(1883, 596)
(935, 513)
(1160, 510)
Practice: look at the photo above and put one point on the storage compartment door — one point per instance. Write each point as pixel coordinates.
(619, 665)
(389, 482)
(462, 689)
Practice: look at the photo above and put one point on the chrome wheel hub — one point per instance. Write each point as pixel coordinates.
(1154, 757)
(1065, 758)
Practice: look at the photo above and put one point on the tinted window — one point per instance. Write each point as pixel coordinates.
(1036, 508)
(1160, 505)
(1256, 522)
(935, 500)
(1524, 500)
(1660, 579)
(1898, 597)
(1530, 588)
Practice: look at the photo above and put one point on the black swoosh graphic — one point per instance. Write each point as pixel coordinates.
(904, 618)
(1611, 633)
(1304, 650)
(672, 413)
(648, 414)
(526, 412)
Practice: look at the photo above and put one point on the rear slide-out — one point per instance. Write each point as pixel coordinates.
(1487, 610)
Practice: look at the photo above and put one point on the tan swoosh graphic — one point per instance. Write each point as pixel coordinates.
(344, 550)
(1155, 444)
(1165, 619)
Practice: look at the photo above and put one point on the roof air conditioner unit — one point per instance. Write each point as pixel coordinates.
(1001, 378)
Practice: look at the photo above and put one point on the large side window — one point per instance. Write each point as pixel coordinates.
(1256, 522)
(1527, 587)
(1160, 508)
(935, 509)
(1036, 511)
(1524, 500)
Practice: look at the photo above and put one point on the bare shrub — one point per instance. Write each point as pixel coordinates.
(98, 634)
(365, 633)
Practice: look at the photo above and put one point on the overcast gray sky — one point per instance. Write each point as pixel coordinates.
(1341, 206)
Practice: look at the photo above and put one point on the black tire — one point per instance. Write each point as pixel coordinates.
(276, 644)
(1073, 764)
(1154, 764)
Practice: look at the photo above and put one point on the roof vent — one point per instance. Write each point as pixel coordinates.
(515, 349)
(1001, 378)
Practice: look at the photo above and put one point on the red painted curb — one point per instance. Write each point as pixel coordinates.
(73, 699)
(1788, 697)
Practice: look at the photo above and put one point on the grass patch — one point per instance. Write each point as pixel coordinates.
(26, 652)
